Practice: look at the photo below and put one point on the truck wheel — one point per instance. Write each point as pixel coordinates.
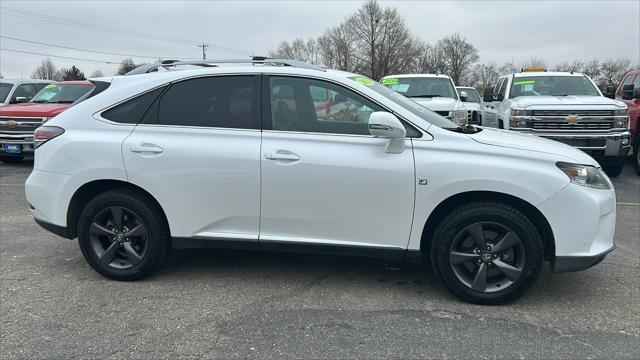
(500, 124)
(479, 119)
(636, 155)
(613, 171)
(11, 159)
(487, 253)
(123, 234)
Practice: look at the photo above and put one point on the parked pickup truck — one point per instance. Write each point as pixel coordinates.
(436, 92)
(629, 92)
(563, 106)
(13, 91)
(18, 121)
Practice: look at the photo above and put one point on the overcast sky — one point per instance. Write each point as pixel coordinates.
(502, 31)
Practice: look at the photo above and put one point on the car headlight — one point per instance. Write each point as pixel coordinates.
(521, 112)
(621, 120)
(458, 116)
(44, 120)
(519, 124)
(585, 175)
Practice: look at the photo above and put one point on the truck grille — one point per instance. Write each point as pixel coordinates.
(18, 130)
(592, 120)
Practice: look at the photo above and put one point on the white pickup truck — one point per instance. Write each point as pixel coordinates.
(436, 92)
(562, 106)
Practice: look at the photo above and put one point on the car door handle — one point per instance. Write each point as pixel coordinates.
(282, 155)
(146, 149)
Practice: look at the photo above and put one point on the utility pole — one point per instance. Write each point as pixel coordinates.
(204, 48)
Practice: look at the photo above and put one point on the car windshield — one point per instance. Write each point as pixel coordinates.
(5, 89)
(472, 95)
(421, 86)
(412, 106)
(552, 86)
(61, 93)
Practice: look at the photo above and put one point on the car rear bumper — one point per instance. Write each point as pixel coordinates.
(578, 263)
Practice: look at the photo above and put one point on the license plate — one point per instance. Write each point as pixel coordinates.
(12, 148)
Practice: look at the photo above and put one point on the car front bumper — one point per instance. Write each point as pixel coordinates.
(583, 222)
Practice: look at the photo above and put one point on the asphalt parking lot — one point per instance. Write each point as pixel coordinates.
(227, 304)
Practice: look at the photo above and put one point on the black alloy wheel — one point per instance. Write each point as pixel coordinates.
(487, 256)
(118, 237)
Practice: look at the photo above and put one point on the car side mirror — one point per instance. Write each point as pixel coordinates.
(610, 92)
(386, 125)
(628, 92)
(498, 97)
(464, 95)
(487, 96)
(20, 99)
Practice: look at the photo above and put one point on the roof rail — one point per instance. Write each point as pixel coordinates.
(256, 60)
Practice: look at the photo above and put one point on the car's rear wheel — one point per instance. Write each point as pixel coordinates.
(11, 159)
(487, 253)
(636, 154)
(123, 234)
(613, 170)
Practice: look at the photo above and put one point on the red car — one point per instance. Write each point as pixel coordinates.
(18, 121)
(628, 92)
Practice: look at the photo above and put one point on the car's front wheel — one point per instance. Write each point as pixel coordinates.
(487, 253)
(123, 234)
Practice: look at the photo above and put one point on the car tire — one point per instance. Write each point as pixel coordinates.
(613, 170)
(500, 124)
(487, 253)
(123, 234)
(479, 119)
(11, 159)
(636, 155)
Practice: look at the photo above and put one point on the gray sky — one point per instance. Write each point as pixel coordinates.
(502, 31)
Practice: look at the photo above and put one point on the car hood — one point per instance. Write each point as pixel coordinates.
(569, 101)
(513, 140)
(437, 103)
(33, 109)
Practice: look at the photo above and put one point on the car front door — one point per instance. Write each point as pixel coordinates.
(198, 153)
(325, 180)
(490, 114)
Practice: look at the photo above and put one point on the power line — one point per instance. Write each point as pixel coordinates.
(112, 30)
(59, 56)
(93, 51)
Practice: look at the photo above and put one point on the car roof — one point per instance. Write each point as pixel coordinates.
(28, 81)
(547, 73)
(418, 76)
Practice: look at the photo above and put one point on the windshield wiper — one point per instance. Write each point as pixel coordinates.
(424, 96)
(40, 101)
(63, 102)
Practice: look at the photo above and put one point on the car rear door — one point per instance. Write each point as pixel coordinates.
(325, 181)
(197, 152)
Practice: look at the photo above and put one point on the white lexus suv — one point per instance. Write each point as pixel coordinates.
(257, 157)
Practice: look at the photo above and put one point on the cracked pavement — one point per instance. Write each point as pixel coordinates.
(233, 304)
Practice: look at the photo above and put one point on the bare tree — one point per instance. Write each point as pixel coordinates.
(46, 70)
(384, 44)
(460, 55)
(535, 62)
(592, 69)
(507, 68)
(612, 70)
(125, 66)
(337, 47)
(575, 66)
(96, 74)
(484, 75)
(429, 60)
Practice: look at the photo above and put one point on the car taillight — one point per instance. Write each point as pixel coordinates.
(46, 133)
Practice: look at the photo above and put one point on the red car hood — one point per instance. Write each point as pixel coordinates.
(33, 109)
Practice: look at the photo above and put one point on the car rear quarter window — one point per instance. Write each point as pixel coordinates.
(132, 111)
(220, 101)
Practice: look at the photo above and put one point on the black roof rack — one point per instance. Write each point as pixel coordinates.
(255, 60)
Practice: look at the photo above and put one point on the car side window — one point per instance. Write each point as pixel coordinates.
(503, 87)
(636, 82)
(496, 89)
(308, 105)
(132, 111)
(218, 101)
(27, 91)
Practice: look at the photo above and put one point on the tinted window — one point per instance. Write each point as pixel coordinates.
(132, 111)
(315, 106)
(552, 86)
(27, 91)
(422, 87)
(503, 87)
(636, 82)
(223, 101)
(5, 89)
